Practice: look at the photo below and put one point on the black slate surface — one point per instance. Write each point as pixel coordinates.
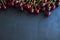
(15, 25)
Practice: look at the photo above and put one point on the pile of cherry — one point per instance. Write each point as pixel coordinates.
(33, 6)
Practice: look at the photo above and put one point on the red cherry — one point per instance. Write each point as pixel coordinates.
(16, 2)
(53, 7)
(48, 13)
(40, 9)
(21, 9)
(25, 6)
(28, 7)
(43, 9)
(10, 3)
(31, 10)
(37, 11)
(47, 5)
(44, 1)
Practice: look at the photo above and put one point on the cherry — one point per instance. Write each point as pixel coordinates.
(10, 4)
(53, 7)
(21, 9)
(44, 1)
(37, 11)
(43, 9)
(25, 5)
(47, 5)
(28, 7)
(16, 2)
(31, 10)
(48, 13)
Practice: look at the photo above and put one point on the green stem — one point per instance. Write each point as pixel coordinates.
(3, 2)
(19, 0)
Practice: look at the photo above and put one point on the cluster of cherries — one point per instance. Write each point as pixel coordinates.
(33, 6)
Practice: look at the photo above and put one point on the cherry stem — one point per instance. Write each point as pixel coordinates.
(3, 2)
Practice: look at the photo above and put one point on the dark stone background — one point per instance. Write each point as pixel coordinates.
(15, 25)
